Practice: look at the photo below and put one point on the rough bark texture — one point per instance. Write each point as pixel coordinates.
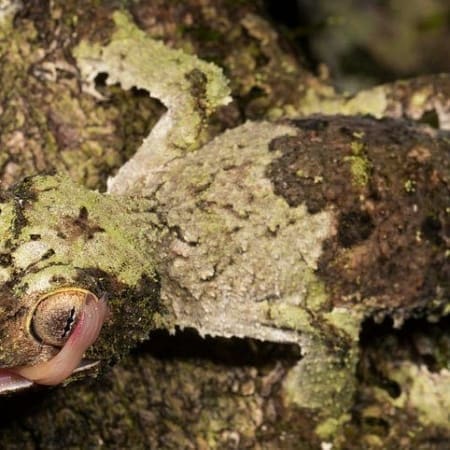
(333, 179)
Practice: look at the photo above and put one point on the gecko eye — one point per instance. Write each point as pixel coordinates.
(56, 315)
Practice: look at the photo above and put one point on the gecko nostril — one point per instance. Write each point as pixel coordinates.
(56, 314)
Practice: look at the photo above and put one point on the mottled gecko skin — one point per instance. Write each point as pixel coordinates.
(289, 232)
(297, 232)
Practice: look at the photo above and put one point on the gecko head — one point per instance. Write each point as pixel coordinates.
(63, 251)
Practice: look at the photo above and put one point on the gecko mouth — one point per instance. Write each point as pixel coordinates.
(69, 360)
(11, 382)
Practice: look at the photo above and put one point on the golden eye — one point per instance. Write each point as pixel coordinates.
(56, 314)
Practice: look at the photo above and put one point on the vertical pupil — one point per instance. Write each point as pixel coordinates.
(69, 323)
(56, 315)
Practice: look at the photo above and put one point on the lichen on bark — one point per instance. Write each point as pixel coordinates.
(48, 123)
